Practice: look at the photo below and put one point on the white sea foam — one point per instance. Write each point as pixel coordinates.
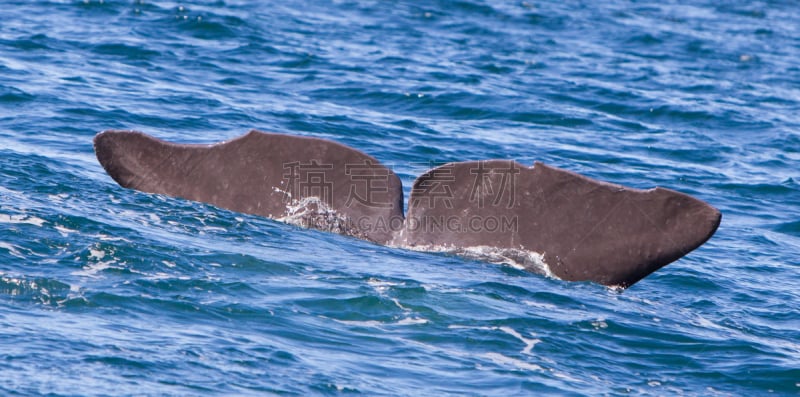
(380, 324)
(97, 255)
(518, 258)
(381, 286)
(159, 276)
(9, 192)
(96, 263)
(500, 359)
(397, 303)
(57, 198)
(64, 231)
(412, 321)
(104, 237)
(600, 324)
(539, 305)
(11, 250)
(22, 219)
(445, 288)
(374, 282)
(92, 269)
(529, 343)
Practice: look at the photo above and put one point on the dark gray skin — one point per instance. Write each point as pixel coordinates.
(252, 174)
(585, 229)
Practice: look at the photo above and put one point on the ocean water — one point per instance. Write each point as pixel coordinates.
(108, 291)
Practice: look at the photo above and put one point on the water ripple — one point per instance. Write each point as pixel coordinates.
(108, 291)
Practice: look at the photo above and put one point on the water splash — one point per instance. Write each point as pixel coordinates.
(517, 258)
(314, 213)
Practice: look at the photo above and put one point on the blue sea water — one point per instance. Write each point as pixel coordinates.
(108, 291)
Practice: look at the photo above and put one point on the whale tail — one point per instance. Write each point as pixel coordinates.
(544, 219)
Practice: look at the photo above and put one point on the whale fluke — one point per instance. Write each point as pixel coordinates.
(583, 229)
(544, 219)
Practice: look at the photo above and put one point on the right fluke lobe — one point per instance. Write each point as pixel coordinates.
(584, 229)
